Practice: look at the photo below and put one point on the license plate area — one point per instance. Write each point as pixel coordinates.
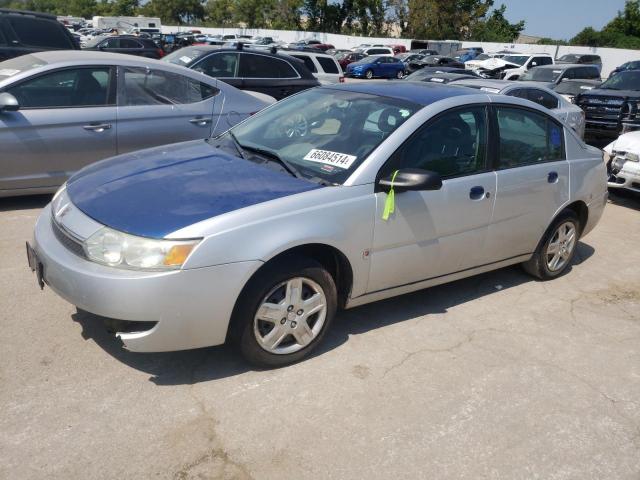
(35, 265)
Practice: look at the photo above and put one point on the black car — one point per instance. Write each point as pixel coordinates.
(23, 32)
(419, 75)
(570, 89)
(273, 74)
(612, 108)
(581, 59)
(129, 44)
(433, 61)
(438, 77)
(635, 65)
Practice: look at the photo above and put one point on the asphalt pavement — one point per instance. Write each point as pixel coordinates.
(493, 377)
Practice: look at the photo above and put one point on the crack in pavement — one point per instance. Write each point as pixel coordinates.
(216, 451)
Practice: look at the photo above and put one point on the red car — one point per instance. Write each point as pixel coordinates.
(323, 46)
(398, 49)
(349, 58)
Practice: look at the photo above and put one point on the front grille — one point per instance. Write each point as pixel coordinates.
(69, 242)
(602, 108)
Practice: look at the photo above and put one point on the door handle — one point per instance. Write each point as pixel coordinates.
(478, 193)
(97, 127)
(199, 121)
(552, 177)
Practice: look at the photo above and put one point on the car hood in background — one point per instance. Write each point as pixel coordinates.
(493, 63)
(157, 191)
(629, 142)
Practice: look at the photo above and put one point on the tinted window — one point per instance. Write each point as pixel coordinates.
(588, 72)
(328, 65)
(377, 51)
(527, 138)
(543, 60)
(2, 40)
(65, 88)
(453, 144)
(155, 87)
(262, 66)
(39, 33)
(307, 62)
(129, 43)
(219, 65)
(110, 43)
(542, 98)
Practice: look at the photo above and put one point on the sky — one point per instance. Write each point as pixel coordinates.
(561, 19)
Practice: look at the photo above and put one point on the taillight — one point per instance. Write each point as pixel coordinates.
(341, 79)
(160, 52)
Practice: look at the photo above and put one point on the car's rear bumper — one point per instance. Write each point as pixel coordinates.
(192, 308)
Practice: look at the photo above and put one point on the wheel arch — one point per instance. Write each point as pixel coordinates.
(581, 210)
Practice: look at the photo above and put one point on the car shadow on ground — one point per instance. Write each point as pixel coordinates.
(205, 364)
(625, 199)
(24, 203)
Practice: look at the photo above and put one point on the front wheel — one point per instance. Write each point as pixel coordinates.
(556, 249)
(368, 74)
(285, 311)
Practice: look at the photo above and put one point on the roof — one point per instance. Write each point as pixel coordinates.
(416, 92)
(564, 66)
(28, 12)
(93, 56)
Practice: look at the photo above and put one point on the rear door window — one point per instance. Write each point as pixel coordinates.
(82, 87)
(219, 65)
(308, 62)
(527, 138)
(37, 32)
(129, 43)
(263, 66)
(329, 65)
(143, 86)
(542, 98)
(111, 43)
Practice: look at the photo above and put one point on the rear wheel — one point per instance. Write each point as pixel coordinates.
(368, 74)
(556, 249)
(284, 312)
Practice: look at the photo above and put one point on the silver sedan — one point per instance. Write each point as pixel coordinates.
(60, 111)
(332, 198)
(562, 108)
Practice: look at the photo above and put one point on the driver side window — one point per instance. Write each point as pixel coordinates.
(454, 144)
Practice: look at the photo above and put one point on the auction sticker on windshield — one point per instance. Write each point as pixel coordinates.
(337, 159)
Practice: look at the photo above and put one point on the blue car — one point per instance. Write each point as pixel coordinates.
(376, 66)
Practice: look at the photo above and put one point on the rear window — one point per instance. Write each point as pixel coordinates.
(262, 66)
(329, 65)
(378, 51)
(307, 62)
(39, 33)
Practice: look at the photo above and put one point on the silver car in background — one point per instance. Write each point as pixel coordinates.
(60, 111)
(562, 108)
(333, 198)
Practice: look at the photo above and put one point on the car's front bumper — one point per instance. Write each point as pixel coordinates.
(192, 307)
(624, 174)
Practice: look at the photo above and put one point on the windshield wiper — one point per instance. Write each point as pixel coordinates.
(236, 144)
(274, 157)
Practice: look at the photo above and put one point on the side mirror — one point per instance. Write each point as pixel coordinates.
(8, 103)
(534, 64)
(412, 179)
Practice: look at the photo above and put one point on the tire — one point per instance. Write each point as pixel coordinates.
(541, 265)
(399, 74)
(271, 285)
(368, 74)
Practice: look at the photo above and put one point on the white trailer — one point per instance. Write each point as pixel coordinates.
(128, 24)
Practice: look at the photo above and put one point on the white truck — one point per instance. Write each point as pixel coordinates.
(128, 24)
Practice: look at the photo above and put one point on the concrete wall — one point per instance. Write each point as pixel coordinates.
(611, 57)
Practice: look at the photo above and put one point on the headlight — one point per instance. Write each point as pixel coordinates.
(118, 249)
(632, 157)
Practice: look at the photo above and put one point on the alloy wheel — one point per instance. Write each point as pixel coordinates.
(561, 246)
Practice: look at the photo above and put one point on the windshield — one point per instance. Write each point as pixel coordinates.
(95, 41)
(629, 80)
(483, 56)
(541, 75)
(184, 56)
(16, 65)
(324, 133)
(569, 58)
(573, 88)
(517, 59)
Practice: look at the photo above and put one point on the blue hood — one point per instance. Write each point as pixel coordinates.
(154, 192)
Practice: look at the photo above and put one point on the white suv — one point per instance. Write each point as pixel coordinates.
(324, 67)
(525, 63)
(379, 51)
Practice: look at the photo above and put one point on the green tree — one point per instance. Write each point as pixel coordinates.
(175, 11)
(220, 13)
(496, 28)
(445, 19)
